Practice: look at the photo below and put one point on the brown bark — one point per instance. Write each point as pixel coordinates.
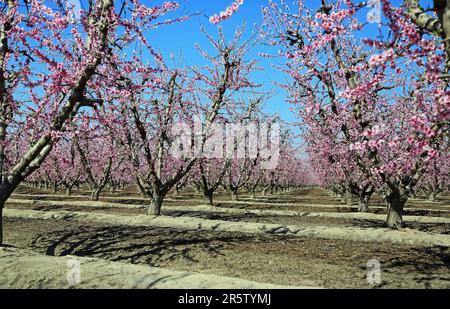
(363, 203)
(209, 197)
(234, 194)
(395, 202)
(1, 224)
(141, 188)
(348, 198)
(95, 194)
(363, 199)
(155, 205)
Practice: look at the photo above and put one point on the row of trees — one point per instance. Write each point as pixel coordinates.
(99, 163)
(88, 88)
(86, 99)
(375, 108)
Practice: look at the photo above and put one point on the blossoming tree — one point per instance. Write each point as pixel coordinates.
(54, 63)
(359, 98)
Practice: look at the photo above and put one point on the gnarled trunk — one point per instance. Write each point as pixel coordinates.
(234, 194)
(395, 203)
(363, 204)
(348, 198)
(141, 189)
(363, 201)
(95, 194)
(208, 196)
(155, 205)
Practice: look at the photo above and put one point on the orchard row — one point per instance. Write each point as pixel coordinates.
(85, 98)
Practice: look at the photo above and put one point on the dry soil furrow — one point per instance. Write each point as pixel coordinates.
(134, 206)
(211, 209)
(406, 236)
(26, 269)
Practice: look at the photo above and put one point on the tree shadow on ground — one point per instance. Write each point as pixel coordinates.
(424, 212)
(433, 264)
(215, 216)
(439, 228)
(153, 247)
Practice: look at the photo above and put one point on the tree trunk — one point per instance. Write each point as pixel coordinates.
(363, 205)
(433, 195)
(1, 224)
(395, 203)
(142, 189)
(208, 195)
(5, 192)
(95, 195)
(234, 194)
(68, 191)
(363, 202)
(112, 189)
(155, 205)
(143, 193)
(253, 193)
(348, 198)
(55, 188)
(197, 189)
(264, 192)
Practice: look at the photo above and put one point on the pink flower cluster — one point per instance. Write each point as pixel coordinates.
(233, 8)
(380, 60)
(419, 125)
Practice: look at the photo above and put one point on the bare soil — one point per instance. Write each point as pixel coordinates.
(440, 228)
(276, 259)
(279, 260)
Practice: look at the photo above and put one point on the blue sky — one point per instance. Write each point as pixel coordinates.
(180, 39)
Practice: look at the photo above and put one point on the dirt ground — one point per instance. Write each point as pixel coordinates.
(440, 228)
(282, 260)
(277, 260)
